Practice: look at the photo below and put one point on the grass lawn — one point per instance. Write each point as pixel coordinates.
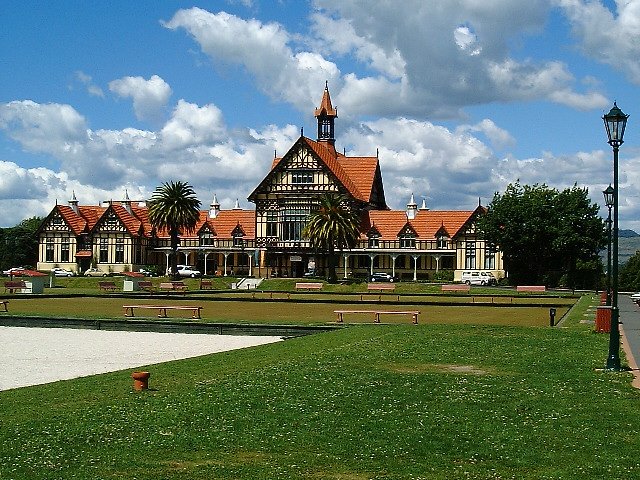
(432, 401)
(264, 311)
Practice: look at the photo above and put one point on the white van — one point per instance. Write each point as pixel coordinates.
(473, 277)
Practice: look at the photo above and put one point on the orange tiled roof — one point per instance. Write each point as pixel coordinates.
(426, 223)
(130, 221)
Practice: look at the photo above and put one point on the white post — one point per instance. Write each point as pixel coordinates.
(372, 257)
(415, 267)
(250, 267)
(393, 264)
(346, 257)
(206, 254)
(226, 254)
(168, 255)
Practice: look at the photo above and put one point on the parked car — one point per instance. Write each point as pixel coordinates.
(383, 277)
(94, 272)
(188, 271)
(478, 278)
(61, 272)
(14, 271)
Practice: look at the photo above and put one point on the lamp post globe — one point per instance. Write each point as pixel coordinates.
(615, 123)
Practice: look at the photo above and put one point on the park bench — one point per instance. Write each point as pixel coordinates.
(5, 303)
(162, 309)
(107, 286)
(308, 286)
(381, 287)
(376, 314)
(531, 288)
(456, 287)
(173, 287)
(146, 286)
(206, 284)
(14, 285)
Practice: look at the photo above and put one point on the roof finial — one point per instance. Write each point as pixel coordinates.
(275, 153)
(302, 131)
(326, 86)
(479, 202)
(377, 153)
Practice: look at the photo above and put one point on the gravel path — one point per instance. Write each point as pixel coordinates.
(31, 356)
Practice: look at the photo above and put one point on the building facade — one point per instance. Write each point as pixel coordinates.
(413, 244)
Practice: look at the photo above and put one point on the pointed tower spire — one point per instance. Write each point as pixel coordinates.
(237, 205)
(424, 204)
(326, 116)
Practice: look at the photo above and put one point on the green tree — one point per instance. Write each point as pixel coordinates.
(332, 226)
(630, 274)
(545, 234)
(174, 207)
(19, 244)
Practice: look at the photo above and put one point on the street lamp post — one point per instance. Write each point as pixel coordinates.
(608, 201)
(615, 123)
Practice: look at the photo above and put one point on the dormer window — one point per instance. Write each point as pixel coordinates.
(374, 241)
(443, 243)
(238, 241)
(407, 240)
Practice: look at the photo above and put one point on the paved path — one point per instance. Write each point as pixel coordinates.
(630, 333)
(31, 356)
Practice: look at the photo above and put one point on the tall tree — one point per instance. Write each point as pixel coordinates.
(544, 233)
(332, 226)
(174, 207)
(19, 244)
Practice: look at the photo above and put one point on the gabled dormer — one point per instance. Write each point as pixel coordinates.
(206, 235)
(373, 236)
(238, 236)
(407, 236)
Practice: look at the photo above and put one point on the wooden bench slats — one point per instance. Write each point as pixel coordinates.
(173, 286)
(456, 287)
(377, 313)
(162, 309)
(107, 286)
(206, 284)
(531, 288)
(12, 286)
(308, 286)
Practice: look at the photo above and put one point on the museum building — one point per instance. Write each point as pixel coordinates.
(413, 244)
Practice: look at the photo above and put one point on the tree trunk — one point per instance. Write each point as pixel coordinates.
(173, 257)
(332, 277)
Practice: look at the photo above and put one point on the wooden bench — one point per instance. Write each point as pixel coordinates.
(146, 286)
(456, 287)
(206, 284)
(5, 303)
(308, 286)
(173, 287)
(107, 286)
(162, 309)
(12, 286)
(531, 288)
(376, 314)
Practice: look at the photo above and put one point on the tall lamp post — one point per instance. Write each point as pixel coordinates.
(608, 201)
(615, 122)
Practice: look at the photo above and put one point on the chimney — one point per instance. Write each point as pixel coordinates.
(126, 203)
(214, 209)
(73, 203)
(412, 208)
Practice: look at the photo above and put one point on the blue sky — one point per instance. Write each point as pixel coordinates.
(460, 97)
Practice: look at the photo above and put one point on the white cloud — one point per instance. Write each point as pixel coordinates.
(149, 96)
(264, 50)
(612, 37)
(87, 82)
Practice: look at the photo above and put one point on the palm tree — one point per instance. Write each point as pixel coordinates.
(174, 207)
(332, 226)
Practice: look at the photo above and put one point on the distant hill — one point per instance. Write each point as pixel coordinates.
(627, 234)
